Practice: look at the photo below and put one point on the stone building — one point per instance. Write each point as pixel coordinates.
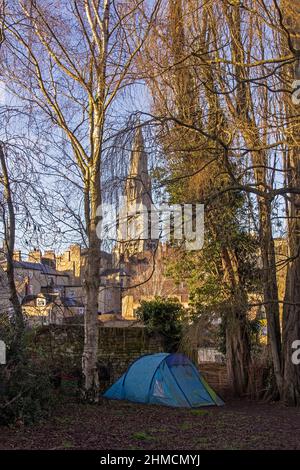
(142, 260)
(62, 276)
(50, 308)
(73, 261)
(35, 275)
(148, 278)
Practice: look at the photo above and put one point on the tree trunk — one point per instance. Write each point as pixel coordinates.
(17, 344)
(91, 285)
(237, 349)
(246, 121)
(270, 289)
(9, 234)
(237, 328)
(291, 333)
(291, 309)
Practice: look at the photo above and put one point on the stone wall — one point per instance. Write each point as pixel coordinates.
(60, 349)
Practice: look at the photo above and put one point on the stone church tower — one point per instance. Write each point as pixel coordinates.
(142, 260)
(133, 234)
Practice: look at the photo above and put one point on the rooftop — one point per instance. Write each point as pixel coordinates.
(44, 268)
(30, 300)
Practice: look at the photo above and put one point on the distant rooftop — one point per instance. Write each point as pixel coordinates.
(44, 268)
(30, 300)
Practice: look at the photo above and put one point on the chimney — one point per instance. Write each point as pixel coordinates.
(17, 255)
(35, 256)
(49, 254)
(75, 252)
(49, 258)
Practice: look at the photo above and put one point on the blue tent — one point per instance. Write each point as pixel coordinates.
(164, 379)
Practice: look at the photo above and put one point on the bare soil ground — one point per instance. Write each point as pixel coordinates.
(123, 425)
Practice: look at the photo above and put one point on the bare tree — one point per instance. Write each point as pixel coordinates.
(72, 67)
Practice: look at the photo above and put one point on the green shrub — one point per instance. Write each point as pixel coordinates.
(165, 317)
(26, 392)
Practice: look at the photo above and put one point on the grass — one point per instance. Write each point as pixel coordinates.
(186, 426)
(198, 412)
(67, 444)
(143, 436)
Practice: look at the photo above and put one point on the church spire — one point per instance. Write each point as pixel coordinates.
(138, 185)
(138, 201)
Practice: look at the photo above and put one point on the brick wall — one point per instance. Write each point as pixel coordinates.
(216, 376)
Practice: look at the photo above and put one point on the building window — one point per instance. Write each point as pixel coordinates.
(40, 302)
